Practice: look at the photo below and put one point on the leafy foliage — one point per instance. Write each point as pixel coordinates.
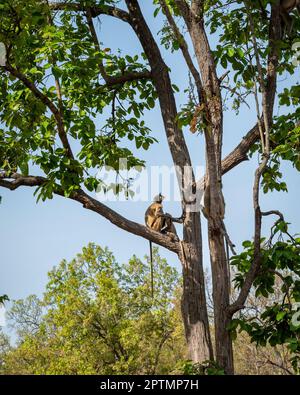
(63, 52)
(207, 368)
(277, 323)
(98, 317)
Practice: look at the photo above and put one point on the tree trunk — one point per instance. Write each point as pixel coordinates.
(218, 258)
(221, 290)
(194, 308)
(212, 100)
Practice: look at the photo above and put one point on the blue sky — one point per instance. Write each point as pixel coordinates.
(35, 237)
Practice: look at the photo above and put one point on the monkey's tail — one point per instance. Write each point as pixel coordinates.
(151, 269)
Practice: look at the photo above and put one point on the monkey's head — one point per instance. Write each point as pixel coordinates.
(158, 198)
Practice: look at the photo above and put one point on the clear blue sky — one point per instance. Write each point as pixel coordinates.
(35, 237)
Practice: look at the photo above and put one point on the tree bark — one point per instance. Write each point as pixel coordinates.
(193, 303)
(194, 308)
(219, 260)
(221, 287)
(212, 100)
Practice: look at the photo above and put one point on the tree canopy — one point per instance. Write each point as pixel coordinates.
(70, 106)
(99, 317)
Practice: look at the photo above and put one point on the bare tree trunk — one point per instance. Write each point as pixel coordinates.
(221, 286)
(218, 257)
(212, 101)
(194, 308)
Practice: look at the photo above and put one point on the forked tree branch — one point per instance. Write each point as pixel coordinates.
(60, 118)
(162, 83)
(92, 12)
(47, 102)
(111, 81)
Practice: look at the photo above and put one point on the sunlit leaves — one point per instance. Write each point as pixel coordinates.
(280, 262)
(98, 317)
(61, 56)
(272, 177)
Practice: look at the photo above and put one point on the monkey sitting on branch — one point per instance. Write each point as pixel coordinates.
(161, 222)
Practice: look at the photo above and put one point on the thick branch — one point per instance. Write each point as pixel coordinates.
(197, 6)
(96, 10)
(112, 81)
(123, 223)
(273, 60)
(211, 97)
(184, 9)
(240, 152)
(15, 180)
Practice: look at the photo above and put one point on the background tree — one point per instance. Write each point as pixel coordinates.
(271, 316)
(98, 317)
(59, 78)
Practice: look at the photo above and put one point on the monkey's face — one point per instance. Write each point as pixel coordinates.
(161, 198)
(158, 198)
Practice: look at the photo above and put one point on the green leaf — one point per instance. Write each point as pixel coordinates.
(224, 62)
(280, 315)
(24, 168)
(231, 52)
(57, 72)
(156, 11)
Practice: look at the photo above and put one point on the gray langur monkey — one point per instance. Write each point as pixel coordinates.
(156, 219)
(206, 210)
(161, 222)
(205, 202)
